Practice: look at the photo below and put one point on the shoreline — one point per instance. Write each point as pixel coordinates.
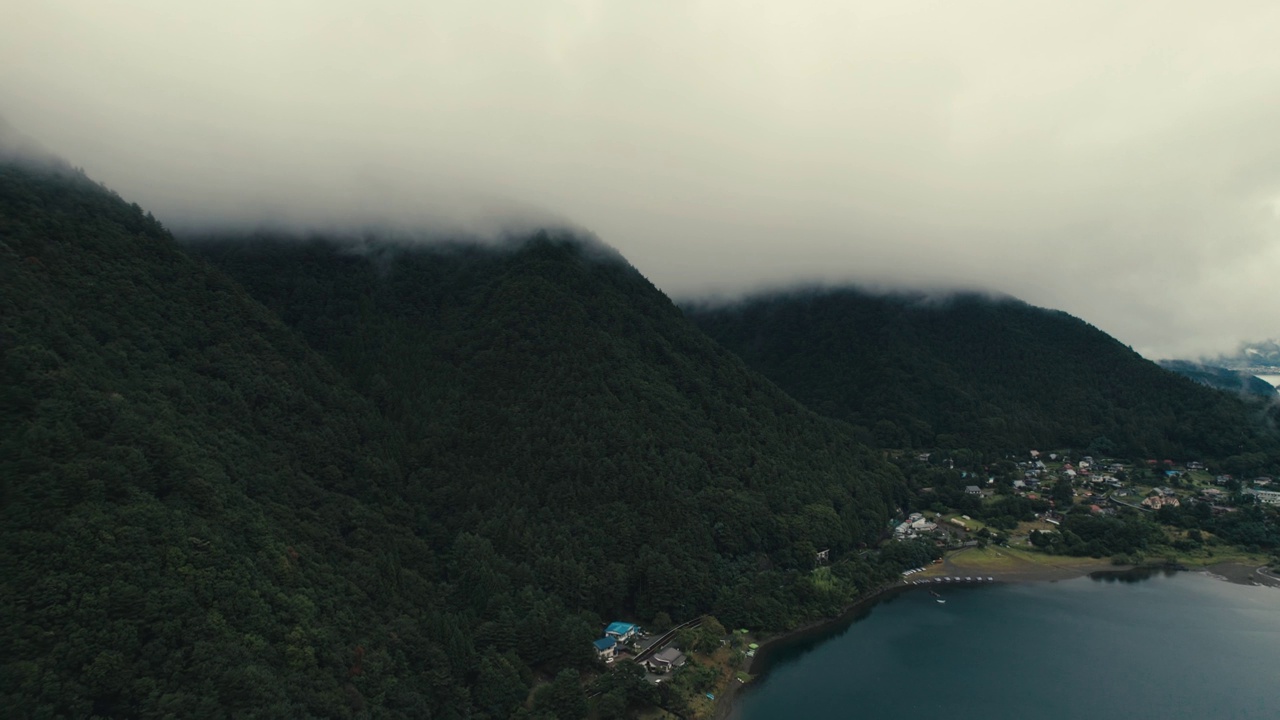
(725, 703)
(1047, 568)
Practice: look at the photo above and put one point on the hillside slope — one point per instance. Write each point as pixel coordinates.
(978, 372)
(558, 405)
(200, 517)
(419, 501)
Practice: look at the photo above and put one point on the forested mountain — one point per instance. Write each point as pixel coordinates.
(200, 518)
(1236, 381)
(980, 372)
(556, 404)
(416, 495)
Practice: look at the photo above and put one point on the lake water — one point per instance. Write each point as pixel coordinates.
(1173, 647)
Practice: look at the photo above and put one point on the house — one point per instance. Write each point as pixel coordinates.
(972, 490)
(665, 660)
(822, 556)
(1155, 502)
(621, 631)
(1270, 497)
(606, 648)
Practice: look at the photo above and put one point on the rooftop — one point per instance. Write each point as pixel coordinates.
(620, 628)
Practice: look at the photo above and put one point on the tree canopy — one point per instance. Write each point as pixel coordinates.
(973, 371)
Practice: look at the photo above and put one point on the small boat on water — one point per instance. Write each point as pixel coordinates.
(941, 601)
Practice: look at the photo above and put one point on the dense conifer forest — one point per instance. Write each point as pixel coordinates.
(275, 475)
(971, 371)
(385, 481)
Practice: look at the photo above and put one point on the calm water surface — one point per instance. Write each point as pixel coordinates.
(1170, 646)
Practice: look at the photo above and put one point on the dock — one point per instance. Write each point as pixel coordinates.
(954, 580)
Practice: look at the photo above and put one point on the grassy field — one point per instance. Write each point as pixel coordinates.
(1207, 556)
(1002, 558)
(1022, 563)
(1013, 564)
(973, 525)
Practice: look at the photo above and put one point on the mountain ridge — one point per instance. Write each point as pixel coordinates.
(382, 495)
(968, 370)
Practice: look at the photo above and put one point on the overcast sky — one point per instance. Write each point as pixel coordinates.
(1118, 159)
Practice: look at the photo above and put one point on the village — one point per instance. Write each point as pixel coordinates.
(1059, 481)
(1104, 486)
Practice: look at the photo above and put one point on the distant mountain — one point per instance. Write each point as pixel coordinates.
(1261, 357)
(386, 480)
(973, 371)
(1236, 381)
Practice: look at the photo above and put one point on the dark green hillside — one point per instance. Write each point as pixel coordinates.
(557, 405)
(491, 453)
(971, 371)
(200, 518)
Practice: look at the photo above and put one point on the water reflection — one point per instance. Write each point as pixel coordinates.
(1134, 575)
(801, 643)
(912, 657)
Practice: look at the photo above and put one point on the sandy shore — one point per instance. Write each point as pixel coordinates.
(1242, 574)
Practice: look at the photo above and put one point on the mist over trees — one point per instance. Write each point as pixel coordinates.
(421, 493)
(970, 371)
(296, 476)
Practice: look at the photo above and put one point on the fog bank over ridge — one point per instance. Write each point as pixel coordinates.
(1116, 160)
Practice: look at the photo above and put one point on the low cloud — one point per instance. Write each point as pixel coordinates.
(1117, 160)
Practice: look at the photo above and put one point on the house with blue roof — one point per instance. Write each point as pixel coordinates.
(621, 631)
(606, 648)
